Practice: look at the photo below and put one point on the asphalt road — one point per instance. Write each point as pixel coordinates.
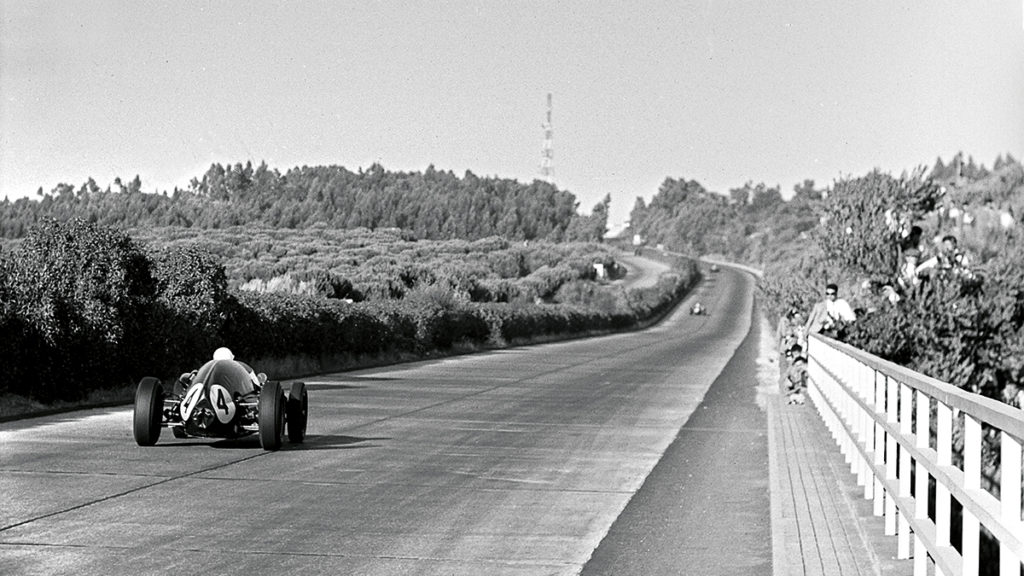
(503, 463)
(705, 508)
(640, 272)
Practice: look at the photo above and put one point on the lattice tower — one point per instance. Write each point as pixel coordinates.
(547, 151)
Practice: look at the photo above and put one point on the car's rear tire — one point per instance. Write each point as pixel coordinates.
(298, 412)
(149, 406)
(272, 413)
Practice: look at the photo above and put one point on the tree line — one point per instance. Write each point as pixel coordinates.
(966, 330)
(433, 204)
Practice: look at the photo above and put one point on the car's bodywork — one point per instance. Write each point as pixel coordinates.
(222, 399)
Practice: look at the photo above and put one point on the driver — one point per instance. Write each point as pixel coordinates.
(223, 353)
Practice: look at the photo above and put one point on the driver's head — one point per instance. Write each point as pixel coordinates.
(223, 354)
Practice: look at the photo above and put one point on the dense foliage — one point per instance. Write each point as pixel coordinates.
(433, 204)
(753, 225)
(965, 329)
(383, 264)
(85, 307)
(76, 299)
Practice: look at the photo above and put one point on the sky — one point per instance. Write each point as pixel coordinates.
(714, 91)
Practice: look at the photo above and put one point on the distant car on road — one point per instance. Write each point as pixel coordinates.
(714, 267)
(224, 398)
(697, 309)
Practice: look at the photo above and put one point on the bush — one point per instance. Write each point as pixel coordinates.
(80, 299)
(867, 217)
(83, 307)
(191, 308)
(591, 295)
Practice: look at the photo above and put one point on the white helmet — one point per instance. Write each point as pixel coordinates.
(223, 354)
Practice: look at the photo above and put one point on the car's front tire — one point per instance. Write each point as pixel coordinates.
(272, 414)
(298, 412)
(149, 405)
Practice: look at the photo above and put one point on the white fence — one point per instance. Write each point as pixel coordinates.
(883, 416)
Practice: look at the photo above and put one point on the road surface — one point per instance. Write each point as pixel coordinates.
(510, 462)
(640, 272)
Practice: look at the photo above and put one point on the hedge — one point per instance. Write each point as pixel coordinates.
(84, 307)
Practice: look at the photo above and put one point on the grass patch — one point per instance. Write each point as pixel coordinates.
(13, 406)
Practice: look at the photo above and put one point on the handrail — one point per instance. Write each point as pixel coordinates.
(881, 416)
(998, 414)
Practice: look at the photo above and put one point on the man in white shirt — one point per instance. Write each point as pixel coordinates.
(825, 313)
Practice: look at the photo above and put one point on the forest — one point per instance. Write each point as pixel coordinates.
(430, 205)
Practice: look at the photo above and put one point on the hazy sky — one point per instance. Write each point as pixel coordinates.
(720, 92)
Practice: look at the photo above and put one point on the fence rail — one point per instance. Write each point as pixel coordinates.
(913, 440)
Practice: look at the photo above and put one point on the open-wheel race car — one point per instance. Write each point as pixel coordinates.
(697, 308)
(224, 398)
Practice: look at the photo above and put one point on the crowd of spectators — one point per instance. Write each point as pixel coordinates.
(918, 264)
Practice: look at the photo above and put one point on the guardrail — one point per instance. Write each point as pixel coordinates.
(895, 428)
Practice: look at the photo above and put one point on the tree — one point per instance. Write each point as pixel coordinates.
(764, 200)
(866, 218)
(135, 186)
(592, 228)
(939, 171)
(89, 187)
(86, 291)
(63, 190)
(740, 196)
(806, 192)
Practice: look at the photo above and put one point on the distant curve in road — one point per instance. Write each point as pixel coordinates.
(640, 272)
(516, 461)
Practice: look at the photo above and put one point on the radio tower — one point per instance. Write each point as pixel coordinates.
(547, 152)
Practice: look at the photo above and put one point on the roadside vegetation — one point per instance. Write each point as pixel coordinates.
(87, 308)
(965, 327)
(312, 269)
(967, 330)
(248, 246)
(387, 264)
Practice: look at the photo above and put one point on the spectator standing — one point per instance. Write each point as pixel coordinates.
(949, 260)
(832, 309)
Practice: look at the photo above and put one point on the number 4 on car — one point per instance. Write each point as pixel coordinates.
(224, 398)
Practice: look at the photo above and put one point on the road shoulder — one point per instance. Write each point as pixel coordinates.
(820, 524)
